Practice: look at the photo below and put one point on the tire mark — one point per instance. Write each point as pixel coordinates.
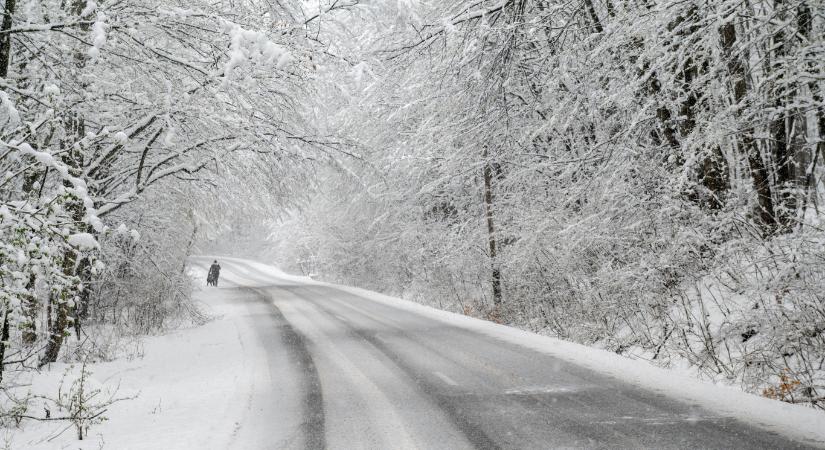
(314, 424)
(473, 432)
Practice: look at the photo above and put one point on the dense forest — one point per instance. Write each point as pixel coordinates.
(641, 176)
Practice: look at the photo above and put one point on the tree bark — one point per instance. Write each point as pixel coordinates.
(5, 38)
(806, 174)
(30, 313)
(594, 18)
(788, 130)
(75, 128)
(491, 235)
(57, 331)
(4, 338)
(60, 323)
(759, 173)
(81, 307)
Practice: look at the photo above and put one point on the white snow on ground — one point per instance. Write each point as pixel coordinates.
(196, 388)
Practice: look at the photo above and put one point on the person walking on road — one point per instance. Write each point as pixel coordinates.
(214, 273)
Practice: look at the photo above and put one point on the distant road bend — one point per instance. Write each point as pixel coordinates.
(354, 373)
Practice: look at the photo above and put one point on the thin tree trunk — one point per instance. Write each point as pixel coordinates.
(30, 313)
(29, 301)
(71, 266)
(758, 170)
(57, 331)
(784, 131)
(5, 38)
(81, 307)
(610, 9)
(713, 170)
(806, 175)
(4, 338)
(491, 236)
(591, 10)
(715, 177)
(192, 237)
(60, 323)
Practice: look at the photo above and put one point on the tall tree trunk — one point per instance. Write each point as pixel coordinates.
(73, 158)
(191, 214)
(812, 153)
(715, 177)
(712, 171)
(788, 130)
(81, 306)
(759, 173)
(59, 303)
(491, 235)
(611, 11)
(5, 38)
(29, 303)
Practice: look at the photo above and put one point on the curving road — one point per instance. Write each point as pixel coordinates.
(363, 374)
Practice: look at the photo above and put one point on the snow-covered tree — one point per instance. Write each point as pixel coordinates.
(115, 114)
(640, 176)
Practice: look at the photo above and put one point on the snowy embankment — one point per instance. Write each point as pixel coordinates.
(193, 388)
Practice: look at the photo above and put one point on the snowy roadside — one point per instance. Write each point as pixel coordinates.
(192, 387)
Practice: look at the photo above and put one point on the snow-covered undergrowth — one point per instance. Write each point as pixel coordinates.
(747, 313)
(137, 294)
(186, 388)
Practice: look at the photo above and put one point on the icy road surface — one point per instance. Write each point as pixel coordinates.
(347, 371)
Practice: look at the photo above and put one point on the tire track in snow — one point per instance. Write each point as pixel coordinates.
(314, 425)
(471, 431)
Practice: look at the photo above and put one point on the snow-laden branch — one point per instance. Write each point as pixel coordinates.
(78, 187)
(47, 27)
(336, 5)
(110, 152)
(434, 31)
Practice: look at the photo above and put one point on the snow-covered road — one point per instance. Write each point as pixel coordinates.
(345, 370)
